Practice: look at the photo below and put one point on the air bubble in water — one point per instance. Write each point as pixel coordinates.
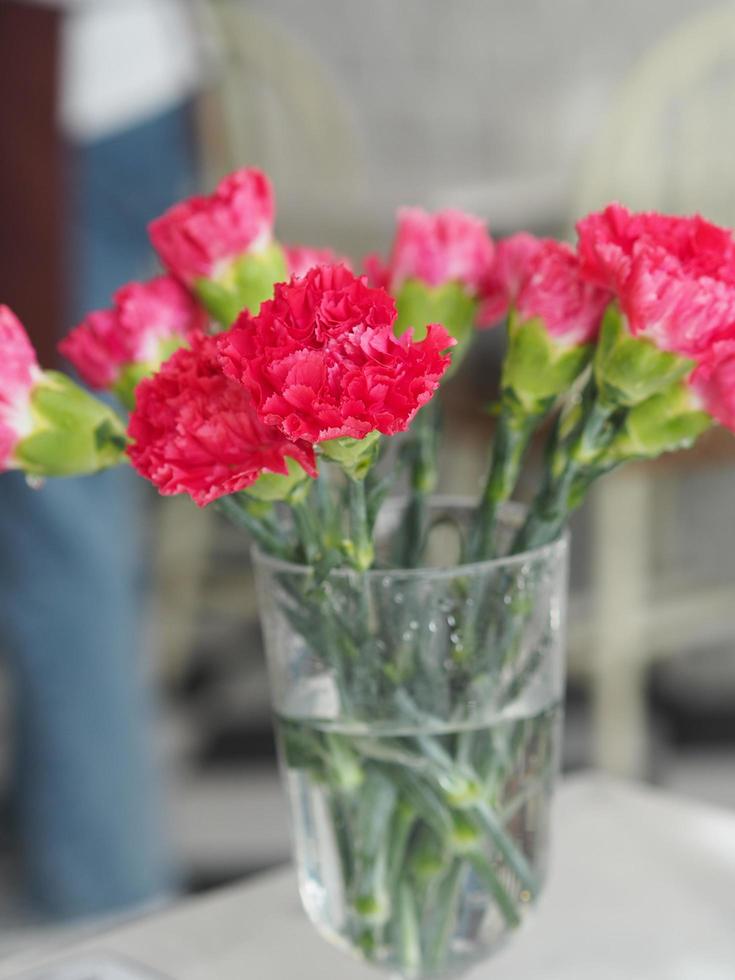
(432, 626)
(413, 625)
(398, 598)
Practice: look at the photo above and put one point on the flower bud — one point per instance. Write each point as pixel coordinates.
(49, 426)
(221, 246)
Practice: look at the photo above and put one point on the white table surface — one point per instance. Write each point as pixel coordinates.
(642, 885)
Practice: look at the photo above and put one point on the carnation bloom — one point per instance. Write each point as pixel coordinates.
(713, 382)
(554, 292)
(147, 322)
(301, 258)
(501, 285)
(49, 426)
(540, 279)
(447, 246)
(196, 432)
(19, 371)
(322, 362)
(198, 238)
(674, 277)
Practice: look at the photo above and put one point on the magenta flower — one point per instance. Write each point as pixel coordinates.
(200, 237)
(448, 246)
(540, 279)
(301, 258)
(147, 323)
(19, 372)
(713, 382)
(506, 275)
(674, 277)
(322, 362)
(554, 292)
(195, 431)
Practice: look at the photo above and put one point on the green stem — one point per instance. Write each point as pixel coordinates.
(362, 553)
(308, 531)
(447, 901)
(423, 478)
(512, 436)
(408, 931)
(265, 536)
(571, 470)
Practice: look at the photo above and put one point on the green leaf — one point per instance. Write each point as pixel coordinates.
(279, 486)
(74, 433)
(451, 305)
(537, 368)
(132, 374)
(355, 456)
(243, 285)
(663, 423)
(628, 369)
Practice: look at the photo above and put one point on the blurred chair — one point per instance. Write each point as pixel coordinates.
(667, 143)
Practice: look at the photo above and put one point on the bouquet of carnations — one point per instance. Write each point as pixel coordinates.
(414, 642)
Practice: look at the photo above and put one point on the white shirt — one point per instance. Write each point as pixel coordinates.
(123, 61)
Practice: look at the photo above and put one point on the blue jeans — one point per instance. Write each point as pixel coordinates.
(85, 794)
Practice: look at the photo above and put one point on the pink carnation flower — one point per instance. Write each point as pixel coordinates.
(501, 285)
(145, 320)
(322, 362)
(448, 246)
(674, 277)
(199, 237)
(196, 432)
(713, 382)
(540, 278)
(554, 292)
(301, 258)
(19, 372)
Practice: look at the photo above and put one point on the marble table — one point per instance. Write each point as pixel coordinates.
(642, 885)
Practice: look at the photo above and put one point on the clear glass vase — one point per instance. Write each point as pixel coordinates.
(419, 717)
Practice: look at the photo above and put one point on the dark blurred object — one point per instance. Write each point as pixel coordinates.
(31, 178)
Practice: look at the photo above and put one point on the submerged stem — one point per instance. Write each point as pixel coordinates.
(362, 552)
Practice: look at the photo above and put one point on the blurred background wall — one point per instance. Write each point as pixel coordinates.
(528, 113)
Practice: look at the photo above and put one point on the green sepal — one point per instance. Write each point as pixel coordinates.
(355, 456)
(243, 285)
(280, 486)
(663, 423)
(537, 368)
(132, 374)
(74, 433)
(629, 369)
(451, 305)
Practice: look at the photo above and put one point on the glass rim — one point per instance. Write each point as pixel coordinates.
(559, 545)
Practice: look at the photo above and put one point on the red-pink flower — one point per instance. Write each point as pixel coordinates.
(554, 292)
(146, 321)
(540, 278)
(301, 258)
(447, 246)
(502, 283)
(19, 371)
(674, 277)
(196, 432)
(322, 362)
(713, 382)
(199, 237)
